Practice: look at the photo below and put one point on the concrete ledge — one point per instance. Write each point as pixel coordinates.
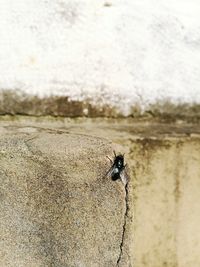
(14, 102)
(57, 210)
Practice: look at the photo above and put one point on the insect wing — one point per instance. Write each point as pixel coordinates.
(124, 176)
(110, 172)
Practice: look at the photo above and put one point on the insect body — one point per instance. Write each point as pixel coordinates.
(117, 170)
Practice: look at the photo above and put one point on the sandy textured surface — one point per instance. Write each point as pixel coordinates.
(58, 210)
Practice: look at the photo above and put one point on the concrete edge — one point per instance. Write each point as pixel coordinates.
(17, 102)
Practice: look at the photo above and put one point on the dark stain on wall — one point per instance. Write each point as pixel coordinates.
(15, 102)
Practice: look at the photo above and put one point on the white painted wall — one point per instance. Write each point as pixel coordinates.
(121, 52)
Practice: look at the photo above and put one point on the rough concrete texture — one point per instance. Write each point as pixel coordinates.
(57, 208)
(155, 225)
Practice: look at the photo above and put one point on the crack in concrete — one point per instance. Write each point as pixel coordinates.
(124, 225)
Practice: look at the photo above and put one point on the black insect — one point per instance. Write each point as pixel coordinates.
(117, 170)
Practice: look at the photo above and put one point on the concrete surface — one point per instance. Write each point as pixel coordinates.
(57, 208)
(58, 214)
(124, 54)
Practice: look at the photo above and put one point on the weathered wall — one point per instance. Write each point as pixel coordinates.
(166, 198)
(57, 209)
(127, 55)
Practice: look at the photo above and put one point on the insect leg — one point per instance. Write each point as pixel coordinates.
(109, 159)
